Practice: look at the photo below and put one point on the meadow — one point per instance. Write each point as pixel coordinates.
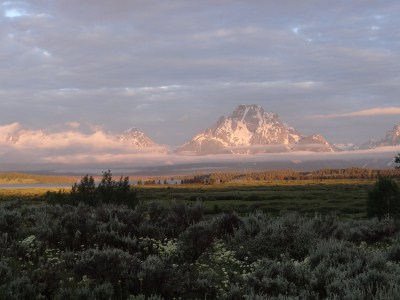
(24, 178)
(345, 197)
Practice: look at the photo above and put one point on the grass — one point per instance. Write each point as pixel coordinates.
(30, 195)
(344, 197)
(347, 197)
(23, 178)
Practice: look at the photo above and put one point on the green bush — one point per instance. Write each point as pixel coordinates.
(167, 251)
(195, 240)
(384, 199)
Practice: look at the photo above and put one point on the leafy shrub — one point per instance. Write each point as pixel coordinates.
(394, 252)
(180, 217)
(262, 237)
(18, 288)
(383, 199)
(112, 265)
(226, 223)
(10, 221)
(276, 278)
(370, 231)
(159, 251)
(5, 272)
(195, 240)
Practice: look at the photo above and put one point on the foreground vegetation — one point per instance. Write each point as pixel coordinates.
(109, 241)
(159, 251)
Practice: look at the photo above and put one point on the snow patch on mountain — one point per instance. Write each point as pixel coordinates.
(249, 129)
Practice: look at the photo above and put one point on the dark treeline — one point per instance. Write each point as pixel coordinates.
(349, 173)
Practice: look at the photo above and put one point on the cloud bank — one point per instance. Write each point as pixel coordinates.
(70, 150)
(377, 111)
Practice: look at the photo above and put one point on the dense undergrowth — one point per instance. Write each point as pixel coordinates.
(159, 251)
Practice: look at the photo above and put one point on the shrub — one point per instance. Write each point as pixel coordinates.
(394, 252)
(276, 278)
(19, 288)
(10, 221)
(383, 199)
(226, 223)
(109, 265)
(195, 240)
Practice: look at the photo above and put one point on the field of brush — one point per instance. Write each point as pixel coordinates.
(280, 239)
(345, 197)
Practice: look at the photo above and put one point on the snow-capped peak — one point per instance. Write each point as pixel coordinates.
(134, 137)
(248, 126)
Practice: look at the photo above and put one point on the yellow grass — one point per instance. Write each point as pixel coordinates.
(7, 193)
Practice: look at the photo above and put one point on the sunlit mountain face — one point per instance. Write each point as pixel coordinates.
(250, 130)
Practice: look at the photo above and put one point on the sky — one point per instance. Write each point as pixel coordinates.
(172, 68)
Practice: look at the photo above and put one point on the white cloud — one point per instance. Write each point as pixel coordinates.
(377, 111)
(276, 84)
(15, 13)
(16, 137)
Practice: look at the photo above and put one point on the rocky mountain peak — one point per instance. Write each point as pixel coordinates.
(134, 137)
(394, 135)
(245, 112)
(132, 132)
(316, 142)
(249, 129)
(318, 137)
(392, 138)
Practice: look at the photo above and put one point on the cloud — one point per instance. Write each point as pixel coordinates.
(73, 124)
(14, 136)
(148, 63)
(161, 162)
(27, 149)
(377, 111)
(283, 84)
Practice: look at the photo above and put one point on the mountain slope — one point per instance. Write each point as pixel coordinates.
(136, 138)
(249, 129)
(316, 143)
(392, 138)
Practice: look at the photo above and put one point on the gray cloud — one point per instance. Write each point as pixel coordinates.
(171, 68)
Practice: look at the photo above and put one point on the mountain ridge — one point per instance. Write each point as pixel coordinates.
(250, 130)
(392, 138)
(247, 130)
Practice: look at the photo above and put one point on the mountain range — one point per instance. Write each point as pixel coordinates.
(247, 130)
(392, 138)
(250, 130)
